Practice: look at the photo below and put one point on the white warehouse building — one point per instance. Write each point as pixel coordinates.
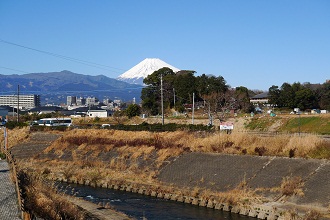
(102, 113)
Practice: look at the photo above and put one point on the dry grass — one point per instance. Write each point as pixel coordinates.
(15, 136)
(142, 143)
(292, 186)
(292, 214)
(43, 200)
(312, 215)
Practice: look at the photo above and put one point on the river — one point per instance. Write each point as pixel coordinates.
(152, 208)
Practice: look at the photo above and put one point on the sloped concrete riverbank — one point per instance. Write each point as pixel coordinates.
(219, 173)
(225, 172)
(222, 172)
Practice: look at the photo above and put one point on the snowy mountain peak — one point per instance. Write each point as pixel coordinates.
(146, 67)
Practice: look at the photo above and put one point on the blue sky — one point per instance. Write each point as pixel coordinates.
(252, 43)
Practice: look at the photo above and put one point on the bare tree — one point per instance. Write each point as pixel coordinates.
(221, 104)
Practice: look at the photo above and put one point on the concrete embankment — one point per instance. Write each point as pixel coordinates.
(219, 173)
(225, 172)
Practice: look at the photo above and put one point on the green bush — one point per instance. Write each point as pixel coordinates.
(161, 128)
(2, 156)
(14, 124)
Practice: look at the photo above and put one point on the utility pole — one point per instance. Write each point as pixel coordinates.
(5, 137)
(299, 123)
(174, 97)
(210, 117)
(17, 103)
(161, 96)
(193, 108)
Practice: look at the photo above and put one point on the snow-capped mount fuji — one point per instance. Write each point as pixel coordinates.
(136, 74)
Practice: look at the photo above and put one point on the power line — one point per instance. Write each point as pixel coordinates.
(7, 68)
(84, 62)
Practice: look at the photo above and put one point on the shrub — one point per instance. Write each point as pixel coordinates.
(2, 156)
(14, 124)
(46, 171)
(260, 150)
(162, 128)
(291, 152)
(292, 186)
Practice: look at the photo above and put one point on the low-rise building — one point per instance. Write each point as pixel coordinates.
(260, 99)
(100, 113)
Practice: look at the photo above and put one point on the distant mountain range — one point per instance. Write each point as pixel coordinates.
(136, 74)
(54, 87)
(61, 84)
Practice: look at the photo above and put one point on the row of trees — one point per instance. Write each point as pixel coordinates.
(218, 98)
(178, 89)
(303, 96)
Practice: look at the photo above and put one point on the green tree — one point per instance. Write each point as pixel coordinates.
(287, 96)
(324, 96)
(211, 84)
(150, 100)
(274, 94)
(185, 85)
(305, 99)
(133, 110)
(242, 98)
(303, 96)
(151, 94)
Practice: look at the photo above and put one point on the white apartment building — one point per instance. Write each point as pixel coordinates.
(25, 101)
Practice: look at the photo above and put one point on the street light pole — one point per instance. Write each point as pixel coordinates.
(161, 96)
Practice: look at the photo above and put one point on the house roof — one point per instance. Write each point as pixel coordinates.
(97, 110)
(6, 107)
(46, 109)
(263, 95)
(85, 109)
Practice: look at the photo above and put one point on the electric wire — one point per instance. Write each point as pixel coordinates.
(84, 62)
(7, 68)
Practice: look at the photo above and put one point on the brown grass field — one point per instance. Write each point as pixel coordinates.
(139, 156)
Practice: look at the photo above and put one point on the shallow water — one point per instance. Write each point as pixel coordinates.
(152, 208)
